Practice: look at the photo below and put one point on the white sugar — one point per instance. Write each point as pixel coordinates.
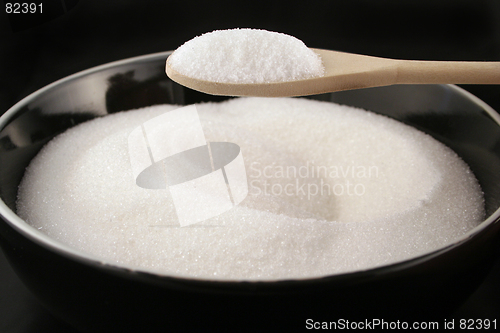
(331, 189)
(246, 56)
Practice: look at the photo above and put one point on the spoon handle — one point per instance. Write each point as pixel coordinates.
(459, 72)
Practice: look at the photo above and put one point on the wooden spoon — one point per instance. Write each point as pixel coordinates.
(344, 71)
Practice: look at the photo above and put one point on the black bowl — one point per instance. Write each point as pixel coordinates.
(96, 296)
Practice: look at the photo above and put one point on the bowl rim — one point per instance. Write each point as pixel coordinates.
(43, 240)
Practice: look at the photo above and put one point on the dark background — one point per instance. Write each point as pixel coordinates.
(73, 35)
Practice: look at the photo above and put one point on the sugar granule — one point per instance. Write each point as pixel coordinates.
(409, 194)
(246, 56)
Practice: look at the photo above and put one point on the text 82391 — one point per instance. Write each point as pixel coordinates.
(23, 8)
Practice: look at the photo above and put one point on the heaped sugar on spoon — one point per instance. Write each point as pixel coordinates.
(251, 62)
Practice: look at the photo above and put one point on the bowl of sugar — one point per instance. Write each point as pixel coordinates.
(372, 203)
